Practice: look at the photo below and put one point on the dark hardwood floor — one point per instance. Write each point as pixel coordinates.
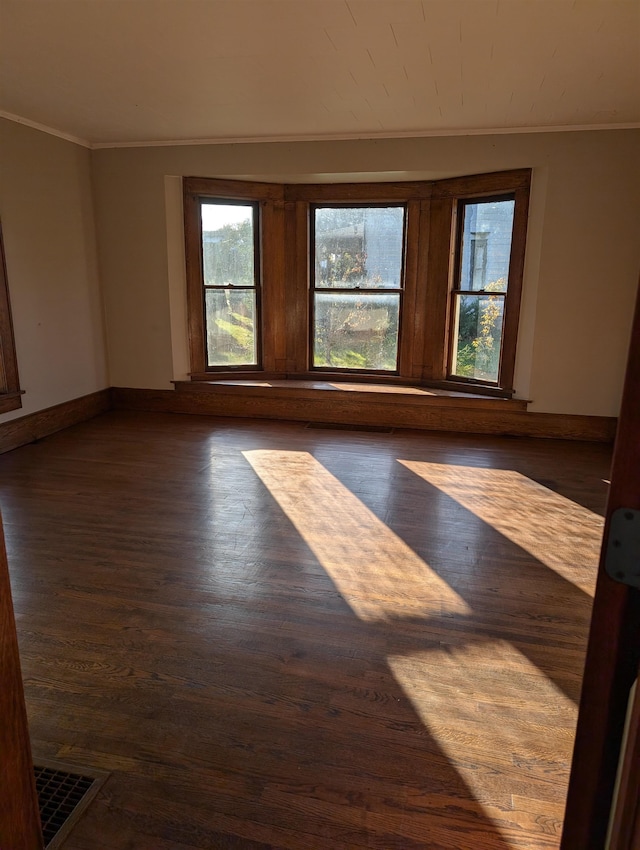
(278, 637)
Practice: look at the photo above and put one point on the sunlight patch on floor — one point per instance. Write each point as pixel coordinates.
(491, 698)
(559, 533)
(374, 570)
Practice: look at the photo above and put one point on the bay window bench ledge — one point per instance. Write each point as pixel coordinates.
(370, 405)
(337, 394)
(354, 404)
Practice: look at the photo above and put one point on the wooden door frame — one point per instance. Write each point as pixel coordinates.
(613, 653)
(19, 814)
(625, 824)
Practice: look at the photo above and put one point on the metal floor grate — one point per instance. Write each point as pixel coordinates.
(62, 797)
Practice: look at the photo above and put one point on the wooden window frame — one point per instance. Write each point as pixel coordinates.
(10, 393)
(314, 289)
(430, 257)
(509, 334)
(255, 288)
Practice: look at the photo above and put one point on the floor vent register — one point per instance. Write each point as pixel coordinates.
(63, 796)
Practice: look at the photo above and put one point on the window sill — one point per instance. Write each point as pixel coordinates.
(318, 379)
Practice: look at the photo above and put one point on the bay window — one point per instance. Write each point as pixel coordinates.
(413, 283)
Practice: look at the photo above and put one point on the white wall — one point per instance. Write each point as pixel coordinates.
(46, 209)
(581, 272)
(582, 264)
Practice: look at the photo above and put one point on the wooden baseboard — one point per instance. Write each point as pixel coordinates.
(472, 415)
(35, 426)
(437, 413)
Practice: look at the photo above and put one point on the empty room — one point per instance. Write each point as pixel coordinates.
(319, 416)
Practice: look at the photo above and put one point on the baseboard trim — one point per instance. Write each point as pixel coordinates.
(361, 409)
(35, 426)
(338, 408)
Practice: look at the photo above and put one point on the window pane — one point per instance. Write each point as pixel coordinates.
(230, 317)
(486, 245)
(227, 245)
(359, 247)
(358, 331)
(478, 337)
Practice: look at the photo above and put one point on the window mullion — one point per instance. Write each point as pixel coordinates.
(435, 273)
(516, 272)
(296, 285)
(411, 343)
(272, 294)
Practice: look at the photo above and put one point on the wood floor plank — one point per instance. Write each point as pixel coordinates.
(287, 639)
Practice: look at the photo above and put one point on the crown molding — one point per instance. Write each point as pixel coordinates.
(51, 131)
(346, 137)
(329, 137)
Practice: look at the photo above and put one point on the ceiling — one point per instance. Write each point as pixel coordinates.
(111, 72)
